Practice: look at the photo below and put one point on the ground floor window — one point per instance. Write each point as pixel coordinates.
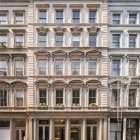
(132, 129)
(4, 130)
(43, 129)
(115, 130)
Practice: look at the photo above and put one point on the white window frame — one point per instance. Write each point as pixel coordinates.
(38, 19)
(77, 60)
(7, 65)
(6, 15)
(7, 94)
(56, 17)
(95, 10)
(59, 88)
(20, 34)
(60, 60)
(38, 40)
(19, 13)
(76, 9)
(5, 35)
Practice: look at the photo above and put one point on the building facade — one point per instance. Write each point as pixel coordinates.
(69, 70)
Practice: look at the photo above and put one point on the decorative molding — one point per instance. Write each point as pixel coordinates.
(76, 29)
(42, 30)
(59, 30)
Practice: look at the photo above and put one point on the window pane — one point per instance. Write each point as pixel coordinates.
(76, 97)
(116, 18)
(92, 16)
(19, 98)
(42, 16)
(42, 64)
(42, 40)
(19, 18)
(3, 39)
(59, 96)
(132, 41)
(132, 97)
(59, 16)
(132, 18)
(42, 97)
(115, 67)
(116, 41)
(3, 97)
(59, 41)
(132, 67)
(76, 41)
(92, 40)
(59, 67)
(19, 67)
(3, 67)
(115, 101)
(92, 96)
(75, 67)
(92, 67)
(3, 18)
(76, 16)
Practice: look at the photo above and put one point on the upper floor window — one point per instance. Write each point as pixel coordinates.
(115, 40)
(76, 40)
(3, 97)
(59, 16)
(59, 40)
(132, 40)
(19, 40)
(132, 67)
(75, 67)
(20, 97)
(76, 16)
(92, 40)
(3, 40)
(116, 19)
(59, 67)
(132, 97)
(42, 16)
(19, 67)
(3, 67)
(42, 66)
(3, 18)
(92, 96)
(115, 98)
(132, 18)
(42, 40)
(92, 67)
(115, 68)
(19, 18)
(75, 97)
(42, 97)
(59, 96)
(92, 16)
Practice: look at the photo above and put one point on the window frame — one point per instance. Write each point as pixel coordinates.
(130, 18)
(45, 19)
(93, 70)
(92, 98)
(45, 43)
(22, 43)
(115, 21)
(74, 43)
(75, 69)
(19, 22)
(78, 98)
(76, 18)
(92, 18)
(38, 96)
(114, 100)
(118, 70)
(59, 60)
(6, 37)
(60, 97)
(7, 97)
(5, 14)
(59, 18)
(132, 44)
(59, 43)
(116, 42)
(7, 66)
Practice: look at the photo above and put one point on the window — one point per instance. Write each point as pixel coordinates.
(19, 18)
(132, 40)
(3, 18)
(3, 97)
(76, 40)
(92, 40)
(19, 67)
(132, 67)
(75, 67)
(19, 40)
(42, 41)
(132, 129)
(115, 130)
(42, 16)
(42, 97)
(59, 16)
(42, 66)
(116, 19)
(92, 67)
(59, 96)
(59, 40)
(115, 98)
(76, 97)
(92, 16)
(116, 40)
(5, 130)
(76, 16)
(3, 40)
(92, 96)
(132, 18)
(19, 97)
(132, 97)
(3, 68)
(115, 68)
(59, 67)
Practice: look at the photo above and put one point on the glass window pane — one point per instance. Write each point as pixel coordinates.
(42, 16)
(3, 97)
(132, 18)
(92, 67)
(76, 41)
(76, 16)
(115, 67)
(19, 66)
(42, 67)
(92, 40)
(92, 16)
(75, 67)
(42, 97)
(19, 98)
(42, 40)
(3, 39)
(3, 18)
(59, 67)
(132, 41)
(59, 40)
(116, 18)
(116, 41)
(19, 18)
(59, 16)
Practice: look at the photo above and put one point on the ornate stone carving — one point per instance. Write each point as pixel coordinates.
(42, 30)
(76, 30)
(59, 30)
